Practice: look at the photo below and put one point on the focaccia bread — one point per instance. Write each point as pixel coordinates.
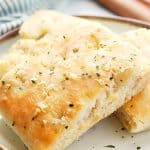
(62, 78)
(135, 115)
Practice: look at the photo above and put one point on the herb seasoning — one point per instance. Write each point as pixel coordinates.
(3, 82)
(34, 117)
(95, 58)
(110, 146)
(106, 85)
(122, 137)
(75, 50)
(66, 78)
(138, 147)
(9, 87)
(97, 67)
(64, 36)
(52, 68)
(123, 129)
(113, 58)
(131, 106)
(98, 75)
(111, 78)
(66, 127)
(84, 74)
(20, 88)
(71, 105)
(102, 45)
(13, 124)
(33, 81)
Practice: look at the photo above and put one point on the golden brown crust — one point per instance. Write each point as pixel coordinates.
(31, 120)
(135, 115)
(139, 106)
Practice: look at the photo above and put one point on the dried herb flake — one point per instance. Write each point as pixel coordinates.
(33, 81)
(138, 147)
(97, 67)
(3, 82)
(75, 50)
(110, 146)
(98, 75)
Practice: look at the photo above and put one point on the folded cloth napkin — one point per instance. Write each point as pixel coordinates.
(13, 12)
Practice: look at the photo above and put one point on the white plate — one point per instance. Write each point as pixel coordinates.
(106, 132)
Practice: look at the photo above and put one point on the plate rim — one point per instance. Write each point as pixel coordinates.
(120, 19)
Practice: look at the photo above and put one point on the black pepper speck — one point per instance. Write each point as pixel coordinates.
(122, 128)
(66, 78)
(71, 105)
(66, 127)
(98, 75)
(13, 124)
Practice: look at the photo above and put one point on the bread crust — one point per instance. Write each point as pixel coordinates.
(135, 115)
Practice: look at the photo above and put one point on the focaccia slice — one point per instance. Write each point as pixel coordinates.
(58, 83)
(135, 115)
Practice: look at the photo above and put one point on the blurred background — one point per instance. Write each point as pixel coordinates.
(13, 12)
